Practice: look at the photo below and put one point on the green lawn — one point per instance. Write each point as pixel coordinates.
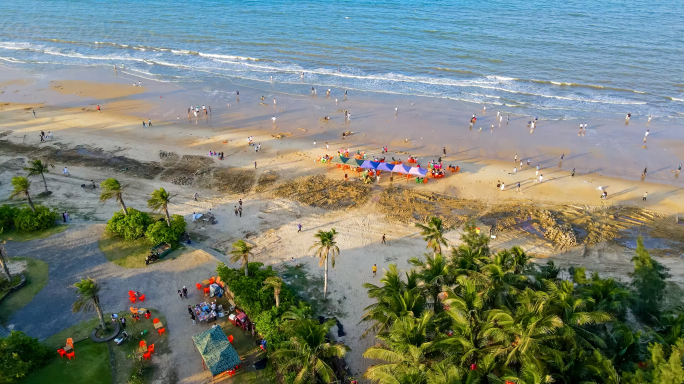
(98, 353)
(131, 254)
(15, 235)
(36, 277)
(90, 365)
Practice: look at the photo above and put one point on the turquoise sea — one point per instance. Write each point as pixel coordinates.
(554, 59)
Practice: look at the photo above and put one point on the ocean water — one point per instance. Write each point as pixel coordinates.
(553, 59)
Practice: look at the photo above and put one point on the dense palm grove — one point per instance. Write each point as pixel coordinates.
(468, 315)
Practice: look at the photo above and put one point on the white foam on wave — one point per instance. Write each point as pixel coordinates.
(227, 57)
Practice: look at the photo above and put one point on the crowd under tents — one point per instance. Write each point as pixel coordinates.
(217, 352)
(382, 166)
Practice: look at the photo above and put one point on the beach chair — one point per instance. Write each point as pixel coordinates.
(133, 310)
(212, 280)
(61, 352)
(155, 321)
(131, 298)
(146, 356)
(141, 298)
(131, 293)
(199, 286)
(230, 339)
(71, 354)
(206, 291)
(70, 342)
(150, 348)
(161, 330)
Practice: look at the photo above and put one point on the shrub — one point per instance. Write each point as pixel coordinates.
(140, 371)
(7, 214)
(131, 226)
(159, 232)
(21, 354)
(26, 220)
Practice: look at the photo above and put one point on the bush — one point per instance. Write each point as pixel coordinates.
(140, 371)
(259, 304)
(131, 226)
(21, 354)
(160, 232)
(27, 221)
(7, 215)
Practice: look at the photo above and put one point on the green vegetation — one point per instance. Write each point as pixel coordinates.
(159, 233)
(131, 254)
(36, 273)
(129, 226)
(89, 299)
(31, 220)
(297, 344)
(20, 187)
(39, 168)
(326, 248)
(241, 251)
(111, 189)
(478, 317)
(160, 202)
(20, 355)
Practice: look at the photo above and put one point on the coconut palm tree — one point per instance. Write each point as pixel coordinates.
(21, 187)
(433, 233)
(241, 251)
(39, 168)
(308, 353)
(276, 283)
(112, 189)
(3, 261)
(326, 248)
(88, 299)
(434, 273)
(160, 202)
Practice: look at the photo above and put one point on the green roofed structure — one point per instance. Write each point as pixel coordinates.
(217, 352)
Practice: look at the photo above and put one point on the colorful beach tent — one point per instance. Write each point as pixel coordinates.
(217, 352)
(401, 168)
(385, 167)
(368, 165)
(418, 171)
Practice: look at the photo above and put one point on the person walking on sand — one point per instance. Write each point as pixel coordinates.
(65, 172)
(515, 160)
(537, 173)
(541, 177)
(562, 157)
(255, 167)
(529, 161)
(240, 202)
(299, 227)
(645, 195)
(645, 171)
(679, 169)
(185, 292)
(518, 187)
(240, 211)
(236, 211)
(327, 146)
(383, 239)
(144, 124)
(123, 322)
(34, 113)
(98, 107)
(646, 134)
(180, 294)
(195, 196)
(503, 185)
(573, 173)
(444, 151)
(375, 269)
(274, 102)
(192, 316)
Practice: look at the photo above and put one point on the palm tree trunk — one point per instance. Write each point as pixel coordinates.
(123, 206)
(3, 262)
(246, 266)
(44, 182)
(325, 280)
(168, 219)
(277, 297)
(96, 299)
(30, 203)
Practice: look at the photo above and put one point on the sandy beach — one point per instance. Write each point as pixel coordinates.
(112, 142)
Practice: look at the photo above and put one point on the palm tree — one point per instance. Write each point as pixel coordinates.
(111, 189)
(160, 202)
(433, 233)
(276, 283)
(326, 248)
(434, 273)
(3, 261)
(21, 187)
(88, 299)
(241, 251)
(39, 168)
(308, 352)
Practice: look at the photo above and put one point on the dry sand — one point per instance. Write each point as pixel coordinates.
(561, 219)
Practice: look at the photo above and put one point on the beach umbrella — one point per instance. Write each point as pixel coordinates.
(375, 164)
(344, 159)
(418, 171)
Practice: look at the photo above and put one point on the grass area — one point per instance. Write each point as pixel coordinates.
(124, 354)
(309, 287)
(131, 347)
(248, 350)
(90, 365)
(15, 235)
(131, 254)
(36, 277)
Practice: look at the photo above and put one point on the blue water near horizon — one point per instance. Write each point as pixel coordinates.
(553, 59)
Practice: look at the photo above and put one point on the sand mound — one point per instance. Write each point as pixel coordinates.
(184, 171)
(233, 180)
(87, 156)
(266, 180)
(319, 191)
(408, 206)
